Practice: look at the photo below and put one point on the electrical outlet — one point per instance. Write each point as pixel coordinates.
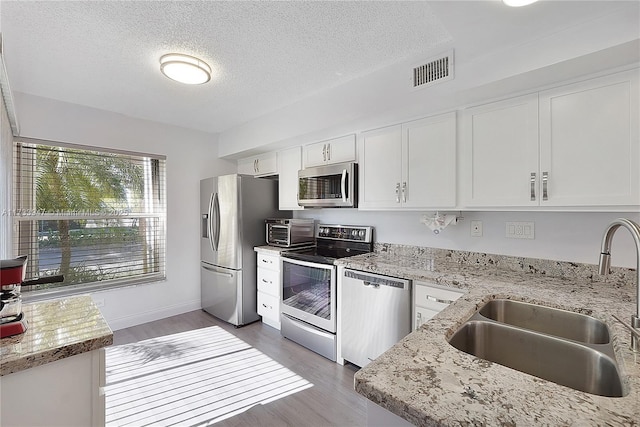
(520, 230)
(476, 228)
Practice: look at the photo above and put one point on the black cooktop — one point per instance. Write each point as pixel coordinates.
(327, 250)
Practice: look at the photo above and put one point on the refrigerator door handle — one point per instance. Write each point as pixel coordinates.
(215, 237)
(210, 222)
(217, 272)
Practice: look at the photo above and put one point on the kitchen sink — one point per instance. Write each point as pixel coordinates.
(532, 339)
(553, 321)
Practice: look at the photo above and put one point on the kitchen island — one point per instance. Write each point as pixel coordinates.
(52, 374)
(426, 381)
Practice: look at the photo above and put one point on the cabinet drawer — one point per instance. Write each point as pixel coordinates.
(269, 307)
(268, 261)
(269, 282)
(433, 295)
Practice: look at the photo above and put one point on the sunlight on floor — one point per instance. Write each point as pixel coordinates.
(191, 379)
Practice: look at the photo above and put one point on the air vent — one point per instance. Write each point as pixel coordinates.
(437, 70)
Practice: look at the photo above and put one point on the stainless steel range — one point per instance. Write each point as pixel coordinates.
(309, 286)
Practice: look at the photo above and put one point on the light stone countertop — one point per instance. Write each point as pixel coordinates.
(277, 250)
(56, 329)
(426, 381)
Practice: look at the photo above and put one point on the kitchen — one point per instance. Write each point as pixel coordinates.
(580, 47)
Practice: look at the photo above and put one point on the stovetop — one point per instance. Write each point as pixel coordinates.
(336, 241)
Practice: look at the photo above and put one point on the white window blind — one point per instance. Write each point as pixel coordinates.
(96, 217)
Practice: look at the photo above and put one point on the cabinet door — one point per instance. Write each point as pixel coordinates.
(380, 166)
(289, 163)
(262, 165)
(589, 142)
(315, 154)
(266, 164)
(247, 166)
(341, 150)
(337, 150)
(500, 154)
(429, 162)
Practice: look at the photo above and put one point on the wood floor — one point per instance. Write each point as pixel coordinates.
(330, 402)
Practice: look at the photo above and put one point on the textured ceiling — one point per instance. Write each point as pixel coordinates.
(265, 55)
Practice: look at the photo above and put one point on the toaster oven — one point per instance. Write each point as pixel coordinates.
(290, 232)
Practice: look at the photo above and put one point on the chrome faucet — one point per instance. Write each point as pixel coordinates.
(605, 264)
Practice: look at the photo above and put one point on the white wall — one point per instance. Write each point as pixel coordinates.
(562, 236)
(191, 156)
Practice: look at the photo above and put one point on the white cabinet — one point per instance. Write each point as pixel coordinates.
(336, 150)
(262, 165)
(571, 146)
(269, 289)
(66, 392)
(589, 143)
(500, 153)
(430, 299)
(412, 165)
(289, 163)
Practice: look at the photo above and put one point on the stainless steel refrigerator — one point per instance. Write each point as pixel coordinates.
(233, 209)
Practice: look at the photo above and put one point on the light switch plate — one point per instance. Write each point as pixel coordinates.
(520, 230)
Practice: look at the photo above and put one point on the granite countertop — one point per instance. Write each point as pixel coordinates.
(426, 381)
(56, 329)
(277, 250)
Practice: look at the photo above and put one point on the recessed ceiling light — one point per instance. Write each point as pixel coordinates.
(518, 3)
(185, 69)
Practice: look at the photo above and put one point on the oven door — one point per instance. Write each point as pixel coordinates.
(309, 292)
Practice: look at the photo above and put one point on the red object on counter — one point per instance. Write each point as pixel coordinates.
(12, 271)
(15, 327)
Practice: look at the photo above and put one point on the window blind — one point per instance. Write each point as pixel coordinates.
(95, 216)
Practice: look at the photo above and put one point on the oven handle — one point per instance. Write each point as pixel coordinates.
(307, 263)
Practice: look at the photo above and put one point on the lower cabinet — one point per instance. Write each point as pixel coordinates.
(269, 288)
(430, 299)
(66, 392)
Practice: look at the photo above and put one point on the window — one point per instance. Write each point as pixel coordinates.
(94, 216)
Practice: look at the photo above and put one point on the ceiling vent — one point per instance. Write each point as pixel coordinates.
(437, 70)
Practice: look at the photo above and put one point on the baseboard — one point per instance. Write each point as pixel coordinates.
(150, 316)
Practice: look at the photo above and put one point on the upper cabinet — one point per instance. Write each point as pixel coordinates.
(289, 163)
(412, 165)
(261, 165)
(589, 143)
(336, 150)
(572, 146)
(500, 153)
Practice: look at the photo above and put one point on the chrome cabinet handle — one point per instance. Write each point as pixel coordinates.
(545, 180)
(533, 186)
(329, 152)
(398, 192)
(324, 152)
(404, 192)
(441, 301)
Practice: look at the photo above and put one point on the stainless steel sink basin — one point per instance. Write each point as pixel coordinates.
(553, 321)
(573, 351)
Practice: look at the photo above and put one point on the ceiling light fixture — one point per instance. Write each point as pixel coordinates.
(518, 3)
(185, 69)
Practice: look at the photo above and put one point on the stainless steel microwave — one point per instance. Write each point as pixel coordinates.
(331, 186)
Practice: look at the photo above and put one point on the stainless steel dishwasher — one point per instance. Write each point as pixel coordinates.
(376, 314)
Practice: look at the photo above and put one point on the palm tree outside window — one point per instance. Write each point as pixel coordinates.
(96, 216)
